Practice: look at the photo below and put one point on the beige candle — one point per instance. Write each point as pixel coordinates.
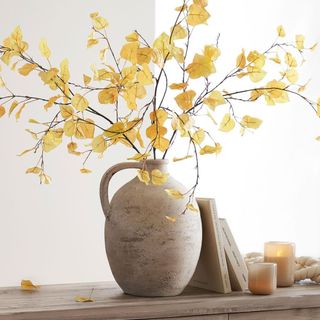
(283, 254)
(262, 278)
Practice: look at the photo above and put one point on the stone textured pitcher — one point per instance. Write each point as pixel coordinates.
(148, 254)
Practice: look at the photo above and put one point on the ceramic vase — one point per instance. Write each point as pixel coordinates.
(150, 255)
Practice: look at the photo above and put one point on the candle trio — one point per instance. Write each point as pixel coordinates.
(277, 270)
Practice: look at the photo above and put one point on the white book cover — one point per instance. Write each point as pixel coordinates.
(212, 271)
(237, 268)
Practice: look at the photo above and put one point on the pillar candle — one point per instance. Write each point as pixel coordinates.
(283, 254)
(262, 278)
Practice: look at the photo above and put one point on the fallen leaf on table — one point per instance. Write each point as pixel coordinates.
(27, 285)
(83, 299)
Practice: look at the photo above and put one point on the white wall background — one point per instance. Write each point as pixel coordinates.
(54, 234)
(266, 184)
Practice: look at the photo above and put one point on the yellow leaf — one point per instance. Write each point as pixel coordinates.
(86, 79)
(198, 136)
(128, 75)
(145, 76)
(81, 298)
(181, 8)
(178, 86)
(91, 41)
(227, 123)
(318, 107)
(171, 219)
(34, 170)
(34, 121)
(144, 55)
(185, 100)
(132, 37)
(201, 66)
(33, 134)
(13, 106)
(191, 207)
(214, 99)
(102, 74)
(44, 49)
(27, 68)
(292, 75)
(2, 84)
(79, 102)
(276, 59)
(85, 171)
(140, 156)
(255, 74)
(85, 129)
(66, 111)
(2, 111)
(161, 143)
(242, 74)
(44, 178)
(256, 59)
(51, 140)
(281, 32)
(136, 91)
(177, 53)
(241, 60)
(174, 194)
(64, 70)
(160, 116)
(300, 41)
(211, 52)
(275, 92)
(210, 149)
(99, 22)
(318, 138)
(180, 159)
(72, 147)
(183, 123)
(102, 53)
(25, 152)
(50, 102)
(155, 130)
(303, 87)
(99, 144)
(108, 95)
(130, 51)
(144, 176)
(178, 32)
(158, 178)
(250, 122)
(197, 15)
(139, 138)
(202, 3)
(27, 285)
(162, 46)
(18, 114)
(290, 60)
(50, 77)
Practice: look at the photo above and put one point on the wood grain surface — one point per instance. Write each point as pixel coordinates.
(57, 302)
(294, 314)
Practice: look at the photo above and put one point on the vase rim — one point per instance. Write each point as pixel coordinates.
(156, 161)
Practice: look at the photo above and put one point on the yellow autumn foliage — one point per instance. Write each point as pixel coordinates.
(124, 98)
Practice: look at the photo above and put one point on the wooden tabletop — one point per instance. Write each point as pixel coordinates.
(57, 302)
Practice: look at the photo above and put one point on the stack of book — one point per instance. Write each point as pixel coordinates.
(221, 268)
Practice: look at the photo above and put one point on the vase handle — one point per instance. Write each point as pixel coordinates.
(104, 184)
